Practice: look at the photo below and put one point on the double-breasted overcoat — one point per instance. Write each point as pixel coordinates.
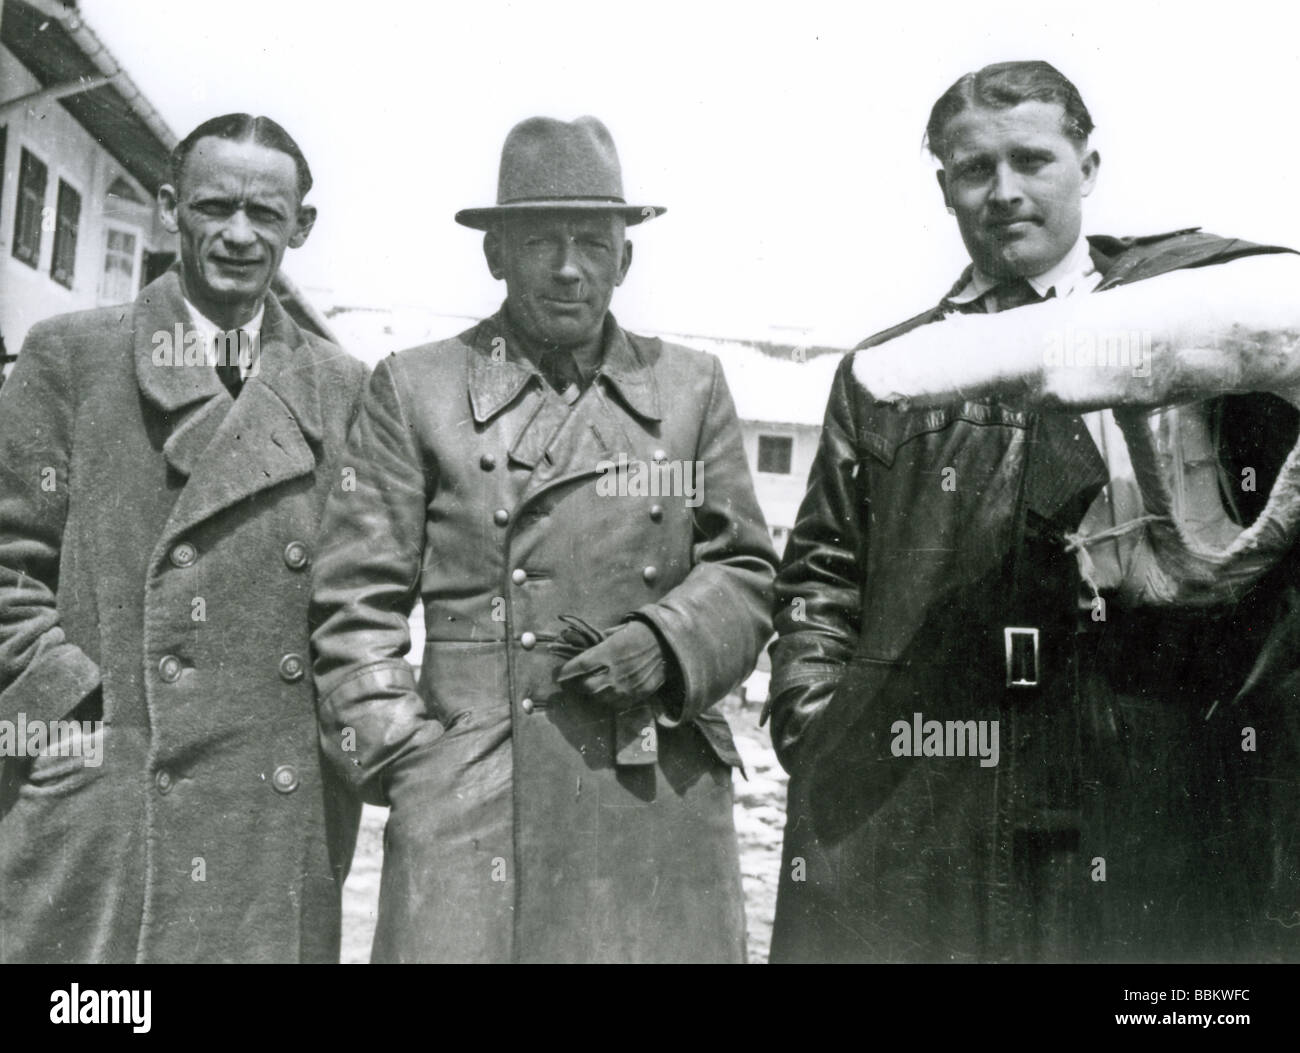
(502, 505)
(156, 539)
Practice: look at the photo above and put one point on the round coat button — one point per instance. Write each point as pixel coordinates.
(501, 517)
(183, 555)
(163, 780)
(527, 641)
(650, 575)
(656, 512)
(660, 456)
(295, 555)
(519, 576)
(526, 705)
(285, 779)
(170, 669)
(487, 462)
(291, 667)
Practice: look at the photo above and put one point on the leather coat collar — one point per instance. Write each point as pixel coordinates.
(499, 370)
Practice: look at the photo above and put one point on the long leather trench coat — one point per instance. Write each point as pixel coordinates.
(513, 835)
(908, 563)
(155, 548)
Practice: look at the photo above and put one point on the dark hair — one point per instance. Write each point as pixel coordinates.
(1003, 85)
(242, 128)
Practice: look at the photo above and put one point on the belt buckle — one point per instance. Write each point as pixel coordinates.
(1021, 643)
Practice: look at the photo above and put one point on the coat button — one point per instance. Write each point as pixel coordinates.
(487, 462)
(660, 456)
(501, 517)
(527, 641)
(526, 705)
(295, 555)
(163, 780)
(656, 512)
(183, 555)
(519, 575)
(284, 779)
(170, 669)
(291, 668)
(650, 575)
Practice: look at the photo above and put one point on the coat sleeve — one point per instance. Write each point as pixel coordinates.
(818, 589)
(716, 621)
(364, 586)
(42, 674)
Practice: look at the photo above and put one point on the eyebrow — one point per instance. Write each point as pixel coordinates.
(217, 197)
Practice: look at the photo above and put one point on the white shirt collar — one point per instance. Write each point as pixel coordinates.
(1074, 272)
(209, 329)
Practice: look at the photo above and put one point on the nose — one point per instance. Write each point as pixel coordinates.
(238, 231)
(566, 263)
(1006, 190)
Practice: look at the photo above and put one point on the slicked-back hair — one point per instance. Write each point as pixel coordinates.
(243, 128)
(1002, 86)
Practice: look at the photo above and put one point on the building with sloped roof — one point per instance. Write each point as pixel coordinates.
(82, 154)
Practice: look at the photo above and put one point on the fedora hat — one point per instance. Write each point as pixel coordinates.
(550, 164)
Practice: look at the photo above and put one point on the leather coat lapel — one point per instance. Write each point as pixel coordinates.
(589, 435)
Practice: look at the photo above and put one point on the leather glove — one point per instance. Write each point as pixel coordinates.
(619, 667)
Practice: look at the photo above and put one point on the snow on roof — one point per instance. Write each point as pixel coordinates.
(769, 388)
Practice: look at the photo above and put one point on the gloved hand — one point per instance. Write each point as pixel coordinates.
(619, 667)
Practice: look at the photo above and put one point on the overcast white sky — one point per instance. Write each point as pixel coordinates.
(784, 138)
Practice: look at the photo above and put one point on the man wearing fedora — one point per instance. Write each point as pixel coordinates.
(572, 505)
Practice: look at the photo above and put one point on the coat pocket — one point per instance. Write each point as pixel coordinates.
(717, 733)
(72, 755)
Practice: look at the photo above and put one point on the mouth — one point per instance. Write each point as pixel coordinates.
(1012, 226)
(557, 304)
(240, 266)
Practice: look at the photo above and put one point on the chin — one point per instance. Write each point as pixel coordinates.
(567, 335)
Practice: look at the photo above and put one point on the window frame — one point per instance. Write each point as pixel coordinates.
(60, 231)
(766, 441)
(21, 248)
(136, 261)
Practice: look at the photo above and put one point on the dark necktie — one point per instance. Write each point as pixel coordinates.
(227, 355)
(561, 370)
(1065, 471)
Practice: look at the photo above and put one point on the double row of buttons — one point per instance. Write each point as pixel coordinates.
(292, 668)
(184, 554)
(283, 780)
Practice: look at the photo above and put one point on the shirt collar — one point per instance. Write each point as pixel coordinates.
(1074, 272)
(209, 329)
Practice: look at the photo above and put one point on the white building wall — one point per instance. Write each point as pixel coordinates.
(779, 495)
(29, 294)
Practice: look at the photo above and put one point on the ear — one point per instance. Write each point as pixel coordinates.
(627, 262)
(1088, 165)
(492, 253)
(306, 220)
(941, 176)
(167, 206)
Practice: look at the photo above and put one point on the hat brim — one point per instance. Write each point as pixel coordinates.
(481, 218)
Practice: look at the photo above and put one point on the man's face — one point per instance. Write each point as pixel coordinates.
(236, 210)
(560, 270)
(1017, 184)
